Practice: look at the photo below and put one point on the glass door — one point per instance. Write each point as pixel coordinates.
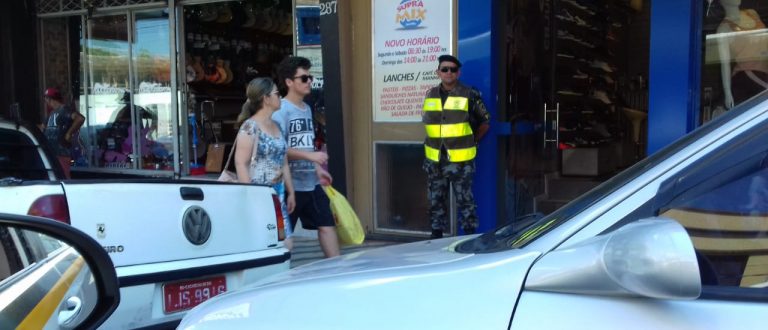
(577, 98)
(127, 94)
(151, 91)
(107, 92)
(532, 146)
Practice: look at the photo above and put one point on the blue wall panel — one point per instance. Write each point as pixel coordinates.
(476, 50)
(674, 71)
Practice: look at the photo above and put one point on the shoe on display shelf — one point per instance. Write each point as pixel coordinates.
(602, 96)
(580, 75)
(565, 15)
(569, 93)
(601, 65)
(580, 6)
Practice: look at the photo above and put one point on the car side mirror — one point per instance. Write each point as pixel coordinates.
(53, 276)
(652, 257)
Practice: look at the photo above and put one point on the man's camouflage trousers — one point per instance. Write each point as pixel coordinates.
(439, 178)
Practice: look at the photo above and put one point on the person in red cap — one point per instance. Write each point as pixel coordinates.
(60, 127)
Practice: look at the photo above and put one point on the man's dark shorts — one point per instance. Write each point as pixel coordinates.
(313, 208)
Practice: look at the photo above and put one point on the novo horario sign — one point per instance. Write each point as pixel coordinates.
(408, 36)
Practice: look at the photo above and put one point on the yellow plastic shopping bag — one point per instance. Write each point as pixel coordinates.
(348, 226)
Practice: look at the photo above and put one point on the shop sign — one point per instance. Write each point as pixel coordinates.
(315, 56)
(408, 36)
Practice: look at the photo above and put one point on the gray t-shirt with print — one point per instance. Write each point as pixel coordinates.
(299, 132)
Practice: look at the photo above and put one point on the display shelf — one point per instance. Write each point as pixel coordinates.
(583, 47)
(212, 90)
(576, 27)
(227, 44)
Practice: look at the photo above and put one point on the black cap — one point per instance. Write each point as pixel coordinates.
(448, 58)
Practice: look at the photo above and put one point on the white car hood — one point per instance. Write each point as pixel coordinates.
(418, 285)
(430, 252)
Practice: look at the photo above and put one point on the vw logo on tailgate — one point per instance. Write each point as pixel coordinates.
(197, 225)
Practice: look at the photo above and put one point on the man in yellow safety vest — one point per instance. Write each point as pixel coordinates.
(455, 120)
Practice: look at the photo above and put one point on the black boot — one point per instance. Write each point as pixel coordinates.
(436, 233)
(469, 231)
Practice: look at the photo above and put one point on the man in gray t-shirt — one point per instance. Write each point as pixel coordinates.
(295, 120)
(296, 123)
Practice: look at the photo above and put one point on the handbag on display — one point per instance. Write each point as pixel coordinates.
(215, 157)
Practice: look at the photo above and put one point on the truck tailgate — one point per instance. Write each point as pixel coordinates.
(141, 223)
(17, 199)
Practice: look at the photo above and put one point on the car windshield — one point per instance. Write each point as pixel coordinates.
(518, 234)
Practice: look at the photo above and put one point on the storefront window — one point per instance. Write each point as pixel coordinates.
(152, 91)
(308, 39)
(128, 92)
(107, 57)
(401, 205)
(735, 54)
(307, 21)
(114, 65)
(61, 57)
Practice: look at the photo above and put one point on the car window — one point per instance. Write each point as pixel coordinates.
(30, 277)
(39, 246)
(10, 257)
(515, 234)
(19, 249)
(19, 157)
(722, 201)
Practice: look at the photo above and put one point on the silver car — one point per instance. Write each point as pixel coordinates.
(678, 241)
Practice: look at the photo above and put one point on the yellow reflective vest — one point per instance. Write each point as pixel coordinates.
(448, 125)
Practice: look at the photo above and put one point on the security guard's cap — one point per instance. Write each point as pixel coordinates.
(448, 58)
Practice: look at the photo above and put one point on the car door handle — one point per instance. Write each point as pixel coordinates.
(72, 308)
(191, 194)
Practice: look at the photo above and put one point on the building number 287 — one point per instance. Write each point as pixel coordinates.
(328, 8)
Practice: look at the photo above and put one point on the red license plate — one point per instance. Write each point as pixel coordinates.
(179, 296)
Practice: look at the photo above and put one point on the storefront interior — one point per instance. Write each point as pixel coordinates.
(115, 65)
(226, 45)
(577, 97)
(735, 54)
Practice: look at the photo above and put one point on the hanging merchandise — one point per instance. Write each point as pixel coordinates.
(227, 44)
(194, 167)
(215, 155)
(230, 43)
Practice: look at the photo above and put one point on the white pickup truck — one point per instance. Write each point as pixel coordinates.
(174, 243)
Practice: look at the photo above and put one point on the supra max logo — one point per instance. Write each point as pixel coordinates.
(410, 13)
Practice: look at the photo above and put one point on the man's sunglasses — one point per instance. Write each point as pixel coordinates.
(305, 77)
(449, 68)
